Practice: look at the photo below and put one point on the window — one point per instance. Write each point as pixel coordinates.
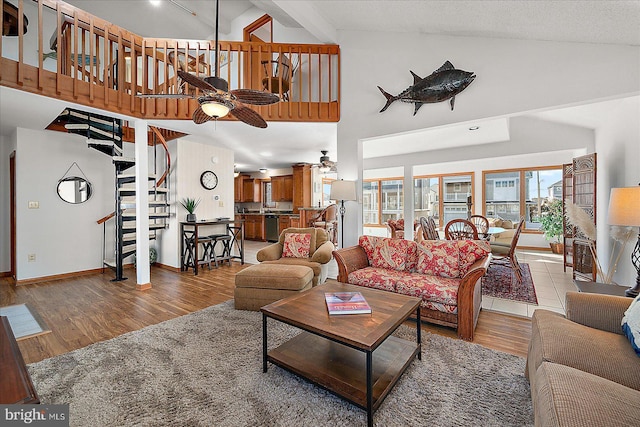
(457, 192)
(268, 201)
(326, 191)
(383, 200)
(510, 194)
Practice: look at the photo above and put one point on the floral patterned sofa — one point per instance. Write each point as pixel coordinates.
(444, 273)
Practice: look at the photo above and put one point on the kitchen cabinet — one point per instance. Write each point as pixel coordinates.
(284, 221)
(252, 190)
(254, 227)
(294, 221)
(237, 187)
(301, 186)
(282, 188)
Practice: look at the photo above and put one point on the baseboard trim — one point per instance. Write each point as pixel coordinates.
(5, 274)
(143, 286)
(57, 277)
(167, 267)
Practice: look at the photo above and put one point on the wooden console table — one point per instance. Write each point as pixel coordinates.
(15, 382)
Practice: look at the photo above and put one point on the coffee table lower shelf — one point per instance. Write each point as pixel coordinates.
(341, 369)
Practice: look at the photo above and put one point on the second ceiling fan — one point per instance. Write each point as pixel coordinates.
(217, 100)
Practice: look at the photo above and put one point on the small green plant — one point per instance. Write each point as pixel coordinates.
(551, 221)
(190, 204)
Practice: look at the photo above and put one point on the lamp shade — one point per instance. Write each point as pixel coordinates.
(343, 190)
(624, 206)
(215, 109)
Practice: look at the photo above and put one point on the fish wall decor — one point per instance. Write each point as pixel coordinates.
(444, 83)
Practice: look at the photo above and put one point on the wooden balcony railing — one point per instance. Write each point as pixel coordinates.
(97, 62)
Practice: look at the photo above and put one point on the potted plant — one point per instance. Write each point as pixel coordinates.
(551, 224)
(190, 205)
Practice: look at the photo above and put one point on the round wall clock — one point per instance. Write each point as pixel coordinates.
(209, 180)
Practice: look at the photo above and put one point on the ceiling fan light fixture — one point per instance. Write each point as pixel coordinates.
(215, 109)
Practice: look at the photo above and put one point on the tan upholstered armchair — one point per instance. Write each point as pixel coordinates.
(319, 255)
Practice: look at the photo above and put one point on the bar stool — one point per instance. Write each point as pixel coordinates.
(225, 240)
(189, 250)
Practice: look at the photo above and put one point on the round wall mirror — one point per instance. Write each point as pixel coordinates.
(74, 189)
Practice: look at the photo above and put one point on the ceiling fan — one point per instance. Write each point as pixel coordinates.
(216, 100)
(327, 165)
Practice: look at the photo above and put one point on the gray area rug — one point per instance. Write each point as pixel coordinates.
(205, 369)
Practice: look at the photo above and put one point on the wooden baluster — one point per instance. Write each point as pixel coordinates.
(92, 52)
(145, 81)
(121, 63)
(77, 54)
(164, 80)
(134, 76)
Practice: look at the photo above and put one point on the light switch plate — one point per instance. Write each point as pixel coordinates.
(34, 205)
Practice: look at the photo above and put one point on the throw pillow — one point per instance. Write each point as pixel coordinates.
(631, 324)
(368, 243)
(391, 254)
(470, 252)
(439, 258)
(296, 245)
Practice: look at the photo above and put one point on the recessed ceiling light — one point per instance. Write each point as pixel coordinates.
(155, 2)
(474, 127)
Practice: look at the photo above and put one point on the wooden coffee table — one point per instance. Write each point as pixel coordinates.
(353, 355)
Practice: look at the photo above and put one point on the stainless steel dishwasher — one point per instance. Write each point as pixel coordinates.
(271, 226)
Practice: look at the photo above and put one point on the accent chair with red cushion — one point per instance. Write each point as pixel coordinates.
(444, 273)
(309, 247)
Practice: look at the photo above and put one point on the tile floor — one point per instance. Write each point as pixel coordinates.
(550, 281)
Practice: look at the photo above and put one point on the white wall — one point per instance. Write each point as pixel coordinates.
(64, 237)
(618, 149)
(191, 156)
(7, 146)
(513, 76)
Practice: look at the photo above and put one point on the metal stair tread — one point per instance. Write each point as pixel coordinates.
(104, 143)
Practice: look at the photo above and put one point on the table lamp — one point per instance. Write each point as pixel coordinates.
(342, 190)
(624, 210)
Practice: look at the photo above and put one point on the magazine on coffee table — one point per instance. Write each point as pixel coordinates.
(346, 303)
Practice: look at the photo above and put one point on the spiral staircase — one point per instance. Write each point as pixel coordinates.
(105, 134)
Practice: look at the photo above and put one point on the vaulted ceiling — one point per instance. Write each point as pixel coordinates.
(608, 22)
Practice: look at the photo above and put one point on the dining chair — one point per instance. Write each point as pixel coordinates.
(327, 219)
(460, 229)
(429, 229)
(482, 225)
(505, 255)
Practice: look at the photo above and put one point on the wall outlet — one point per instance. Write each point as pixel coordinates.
(31, 257)
(34, 205)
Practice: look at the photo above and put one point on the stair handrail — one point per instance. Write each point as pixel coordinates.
(166, 149)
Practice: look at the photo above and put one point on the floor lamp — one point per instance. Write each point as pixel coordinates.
(342, 190)
(624, 210)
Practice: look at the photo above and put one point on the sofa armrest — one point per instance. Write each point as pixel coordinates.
(323, 254)
(597, 311)
(470, 298)
(350, 259)
(270, 253)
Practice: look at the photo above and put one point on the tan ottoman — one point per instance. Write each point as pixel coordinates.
(262, 284)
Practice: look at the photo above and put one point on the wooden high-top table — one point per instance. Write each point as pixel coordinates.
(351, 355)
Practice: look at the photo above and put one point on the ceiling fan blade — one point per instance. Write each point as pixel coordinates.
(195, 81)
(199, 117)
(255, 97)
(164, 95)
(247, 115)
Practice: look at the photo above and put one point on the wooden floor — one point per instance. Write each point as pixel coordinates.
(88, 309)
